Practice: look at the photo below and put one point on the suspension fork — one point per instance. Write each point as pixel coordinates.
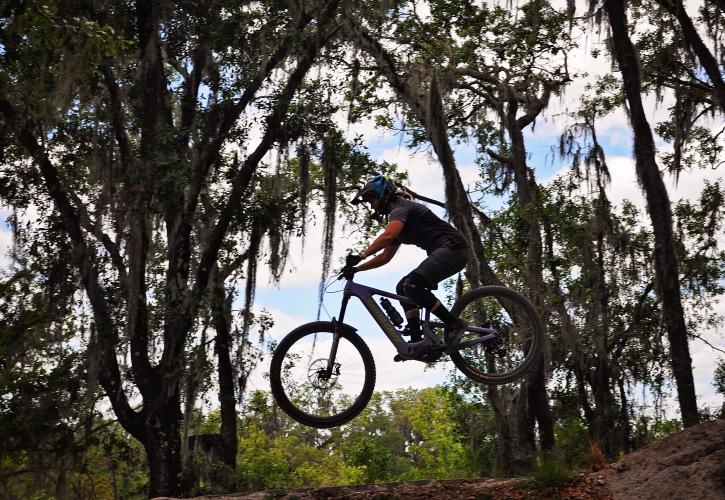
(336, 336)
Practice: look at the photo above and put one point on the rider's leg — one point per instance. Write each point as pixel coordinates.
(416, 287)
(412, 315)
(413, 326)
(441, 264)
(444, 314)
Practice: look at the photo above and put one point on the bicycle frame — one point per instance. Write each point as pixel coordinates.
(366, 294)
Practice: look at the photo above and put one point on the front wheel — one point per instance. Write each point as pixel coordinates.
(310, 389)
(518, 341)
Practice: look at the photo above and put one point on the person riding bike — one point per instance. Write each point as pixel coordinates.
(412, 223)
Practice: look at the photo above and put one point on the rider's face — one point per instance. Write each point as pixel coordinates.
(374, 203)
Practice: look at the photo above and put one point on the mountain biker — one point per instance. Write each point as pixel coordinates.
(412, 223)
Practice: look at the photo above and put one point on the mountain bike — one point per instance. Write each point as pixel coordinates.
(322, 373)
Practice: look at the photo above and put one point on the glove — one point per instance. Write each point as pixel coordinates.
(348, 272)
(353, 259)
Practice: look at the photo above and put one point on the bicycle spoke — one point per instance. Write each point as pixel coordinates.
(507, 355)
(311, 386)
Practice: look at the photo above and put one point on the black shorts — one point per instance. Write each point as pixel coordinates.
(442, 263)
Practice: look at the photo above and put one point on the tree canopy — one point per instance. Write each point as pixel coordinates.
(155, 155)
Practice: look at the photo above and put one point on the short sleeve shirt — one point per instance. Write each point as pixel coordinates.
(423, 228)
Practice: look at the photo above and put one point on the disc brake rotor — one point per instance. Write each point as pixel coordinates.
(317, 374)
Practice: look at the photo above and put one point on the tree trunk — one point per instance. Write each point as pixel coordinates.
(658, 206)
(163, 448)
(223, 324)
(537, 407)
(603, 393)
(505, 458)
(627, 444)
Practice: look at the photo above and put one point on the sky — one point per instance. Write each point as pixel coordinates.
(293, 301)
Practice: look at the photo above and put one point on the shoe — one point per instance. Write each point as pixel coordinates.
(455, 333)
(430, 357)
(418, 352)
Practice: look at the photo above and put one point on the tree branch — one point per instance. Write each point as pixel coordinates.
(534, 107)
(85, 261)
(693, 40)
(117, 115)
(503, 159)
(426, 199)
(174, 342)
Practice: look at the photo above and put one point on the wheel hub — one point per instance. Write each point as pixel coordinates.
(318, 375)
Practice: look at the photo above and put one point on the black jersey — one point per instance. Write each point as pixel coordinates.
(423, 228)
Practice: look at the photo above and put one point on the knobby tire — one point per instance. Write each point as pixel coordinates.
(275, 374)
(525, 308)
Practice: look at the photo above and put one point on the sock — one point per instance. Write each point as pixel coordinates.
(444, 314)
(413, 321)
(413, 325)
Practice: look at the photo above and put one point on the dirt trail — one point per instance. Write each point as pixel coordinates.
(689, 464)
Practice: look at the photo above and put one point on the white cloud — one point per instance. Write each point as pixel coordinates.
(425, 174)
(365, 127)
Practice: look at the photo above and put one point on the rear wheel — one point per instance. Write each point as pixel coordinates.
(517, 344)
(303, 386)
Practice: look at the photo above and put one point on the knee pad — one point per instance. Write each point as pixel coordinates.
(417, 288)
(400, 287)
(400, 290)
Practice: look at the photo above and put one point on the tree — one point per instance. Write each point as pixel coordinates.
(695, 43)
(658, 204)
(459, 41)
(127, 111)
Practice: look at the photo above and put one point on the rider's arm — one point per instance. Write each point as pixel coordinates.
(389, 236)
(380, 259)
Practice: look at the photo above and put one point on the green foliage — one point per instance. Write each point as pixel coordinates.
(573, 442)
(399, 436)
(719, 377)
(551, 473)
(652, 429)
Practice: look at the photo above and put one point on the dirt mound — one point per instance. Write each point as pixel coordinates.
(684, 465)
(450, 489)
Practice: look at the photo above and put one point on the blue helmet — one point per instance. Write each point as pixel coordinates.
(379, 187)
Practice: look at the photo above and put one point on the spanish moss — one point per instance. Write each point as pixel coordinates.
(255, 239)
(330, 165)
(303, 155)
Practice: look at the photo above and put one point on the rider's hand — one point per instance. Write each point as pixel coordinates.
(348, 272)
(353, 259)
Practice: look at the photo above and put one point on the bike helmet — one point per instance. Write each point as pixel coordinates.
(379, 187)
